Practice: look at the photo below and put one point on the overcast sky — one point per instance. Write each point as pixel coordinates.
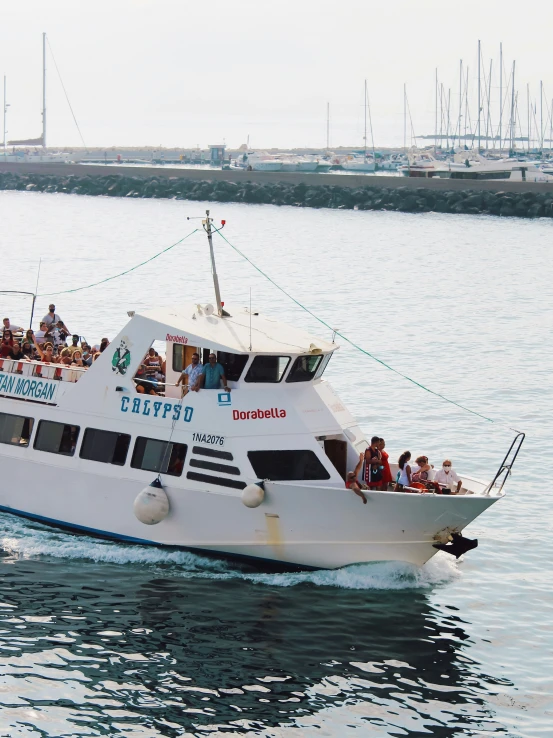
(188, 72)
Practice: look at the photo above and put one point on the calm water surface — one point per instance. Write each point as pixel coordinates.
(104, 639)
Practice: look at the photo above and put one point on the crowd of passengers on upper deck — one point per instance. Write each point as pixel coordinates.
(52, 343)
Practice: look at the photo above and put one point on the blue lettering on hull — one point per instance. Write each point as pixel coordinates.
(142, 406)
(38, 389)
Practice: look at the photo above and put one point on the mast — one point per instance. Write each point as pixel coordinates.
(405, 117)
(513, 109)
(5, 111)
(550, 127)
(207, 227)
(541, 118)
(489, 129)
(500, 94)
(43, 90)
(528, 113)
(436, 113)
(327, 126)
(460, 97)
(365, 106)
(479, 95)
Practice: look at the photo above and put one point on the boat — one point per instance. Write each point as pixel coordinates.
(255, 470)
(263, 163)
(358, 164)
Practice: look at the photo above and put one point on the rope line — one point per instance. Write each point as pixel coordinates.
(347, 340)
(65, 91)
(121, 274)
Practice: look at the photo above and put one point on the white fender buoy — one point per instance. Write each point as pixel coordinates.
(151, 506)
(253, 495)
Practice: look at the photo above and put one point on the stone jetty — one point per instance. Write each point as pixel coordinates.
(421, 196)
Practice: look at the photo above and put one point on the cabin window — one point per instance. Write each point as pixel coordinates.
(15, 429)
(105, 446)
(178, 357)
(56, 438)
(322, 366)
(280, 466)
(304, 368)
(154, 455)
(233, 364)
(267, 369)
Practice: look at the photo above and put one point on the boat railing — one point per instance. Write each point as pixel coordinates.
(506, 466)
(42, 370)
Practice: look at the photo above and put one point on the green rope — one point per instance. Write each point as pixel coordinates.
(345, 338)
(121, 274)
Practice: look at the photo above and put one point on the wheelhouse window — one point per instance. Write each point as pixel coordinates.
(304, 368)
(107, 447)
(281, 466)
(56, 438)
(267, 369)
(15, 429)
(233, 364)
(323, 365)
(154, 455)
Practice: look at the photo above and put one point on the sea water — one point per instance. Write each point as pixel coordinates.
(98, 638)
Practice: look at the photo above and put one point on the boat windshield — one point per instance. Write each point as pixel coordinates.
(304, 368)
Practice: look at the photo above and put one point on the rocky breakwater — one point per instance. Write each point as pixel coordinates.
(527, 204)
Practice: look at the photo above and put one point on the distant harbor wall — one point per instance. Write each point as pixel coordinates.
(504, 198)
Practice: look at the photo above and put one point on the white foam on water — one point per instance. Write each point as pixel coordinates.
(29, 540)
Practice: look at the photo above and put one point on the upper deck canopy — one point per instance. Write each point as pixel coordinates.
(268, 336)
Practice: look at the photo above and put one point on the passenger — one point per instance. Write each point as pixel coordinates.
(96, 356)
(10, 327)
(422, 477)
(373, 465)
(16, 352)
(447, 477)
(194, 373)
(6, 345)
(65, 357)
(41, 334)
(404, 474)
(351, 479)
(74, 344)
(104, 343)
(387, 472)
(52, 318)
(62, 333)
(77, 359)
(212, 374)
(27, 351)
(86, 355)
(46, 353)
(152, 366)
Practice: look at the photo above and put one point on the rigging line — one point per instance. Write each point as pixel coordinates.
(65, 91)
(121, 274)
(352, 343)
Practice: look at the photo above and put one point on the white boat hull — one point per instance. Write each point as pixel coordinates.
(285, 529)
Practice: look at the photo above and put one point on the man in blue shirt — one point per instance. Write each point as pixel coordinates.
(212, 375)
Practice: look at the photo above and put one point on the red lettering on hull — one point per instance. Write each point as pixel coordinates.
(274, 412)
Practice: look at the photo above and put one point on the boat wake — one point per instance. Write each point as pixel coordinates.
(23, 539)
